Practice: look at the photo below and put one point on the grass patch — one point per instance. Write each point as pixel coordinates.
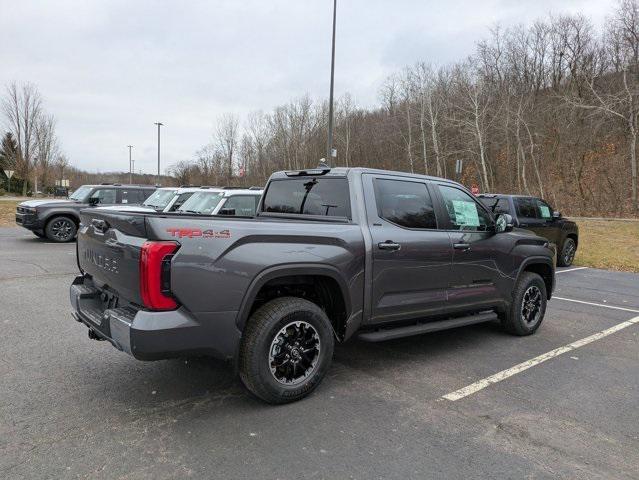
(608, 244)
(8, 212)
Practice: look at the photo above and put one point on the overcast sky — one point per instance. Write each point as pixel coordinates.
(108, 70)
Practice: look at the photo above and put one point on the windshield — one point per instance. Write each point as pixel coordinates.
(81, 193)
(202, 203)
(159, 199)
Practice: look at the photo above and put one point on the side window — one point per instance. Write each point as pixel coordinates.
(463, 211)
(407, 204)
(545, 212)
(132, 196)
(104, 195)
(526, 207)
(244, 205)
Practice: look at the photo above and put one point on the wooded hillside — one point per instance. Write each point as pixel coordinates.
(548, 109)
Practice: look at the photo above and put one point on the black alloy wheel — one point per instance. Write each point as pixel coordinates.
(61, 229)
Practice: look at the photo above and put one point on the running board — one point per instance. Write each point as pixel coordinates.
(410, 330)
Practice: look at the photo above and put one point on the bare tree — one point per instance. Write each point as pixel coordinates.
(47, 149)
(22, 106)
(227, 137)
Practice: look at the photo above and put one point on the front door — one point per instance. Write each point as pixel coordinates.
(481, 263)
(536, 215)
(411, 257)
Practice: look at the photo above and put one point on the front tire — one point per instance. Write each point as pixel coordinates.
(528, 307)
(567, 253)
(61, 229)
(286, 350)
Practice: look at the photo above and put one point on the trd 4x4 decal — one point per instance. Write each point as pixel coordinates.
(196, 232)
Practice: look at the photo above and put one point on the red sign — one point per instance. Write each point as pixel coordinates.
(474, 190)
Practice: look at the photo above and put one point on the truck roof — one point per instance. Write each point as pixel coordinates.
(344, 171)
(118, 185)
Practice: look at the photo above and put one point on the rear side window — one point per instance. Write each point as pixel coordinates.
(132, 196)
(526, 207)
(407, 204)
(309, 196)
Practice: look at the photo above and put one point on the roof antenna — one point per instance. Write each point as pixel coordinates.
(323, 163)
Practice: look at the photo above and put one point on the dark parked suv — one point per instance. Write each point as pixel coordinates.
(329, 254)
(58, 220)
(538, 216)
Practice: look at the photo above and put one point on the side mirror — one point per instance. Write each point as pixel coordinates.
(556, 215)
(93, 201)
(226, 211)
(503, 223)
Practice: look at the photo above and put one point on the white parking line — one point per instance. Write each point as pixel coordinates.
(570, 270)
(597, 304)
(504, 374)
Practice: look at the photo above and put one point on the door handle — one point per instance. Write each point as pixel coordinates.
(461, 246)
(389, 245)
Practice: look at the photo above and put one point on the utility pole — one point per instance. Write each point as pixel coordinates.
(130, 165)
(132, 169)
(157, 180)
(330, 153)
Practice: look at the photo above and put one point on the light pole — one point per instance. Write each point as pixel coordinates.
(130, 164)
(157, 180)
(329, 143)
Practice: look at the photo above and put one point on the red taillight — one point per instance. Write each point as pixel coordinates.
(155, 258)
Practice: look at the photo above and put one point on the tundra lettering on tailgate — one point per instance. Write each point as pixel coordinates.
(106, 263)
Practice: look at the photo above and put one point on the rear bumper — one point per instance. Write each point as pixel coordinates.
(148, 335)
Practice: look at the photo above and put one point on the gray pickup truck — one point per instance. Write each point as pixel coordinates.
(330, 253)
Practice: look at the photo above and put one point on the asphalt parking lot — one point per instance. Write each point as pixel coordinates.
(466, 403)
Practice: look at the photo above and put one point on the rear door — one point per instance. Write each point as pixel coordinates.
(411, 258)
(479, 264)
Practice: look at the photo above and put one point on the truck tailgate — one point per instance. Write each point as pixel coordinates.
(108, 249)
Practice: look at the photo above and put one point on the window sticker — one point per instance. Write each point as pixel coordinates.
(466, 213)
(545, 211)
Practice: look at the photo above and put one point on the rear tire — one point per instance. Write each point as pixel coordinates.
(286, 350)
(528, 307)
(567, 254)
(61, 229)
